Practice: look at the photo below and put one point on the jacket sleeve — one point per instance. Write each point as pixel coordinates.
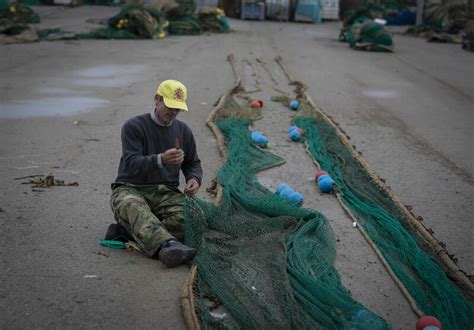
(191, 166)
(136, 163)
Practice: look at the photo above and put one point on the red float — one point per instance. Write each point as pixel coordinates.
(427, 321)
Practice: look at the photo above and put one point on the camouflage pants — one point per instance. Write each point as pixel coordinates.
(152, 214)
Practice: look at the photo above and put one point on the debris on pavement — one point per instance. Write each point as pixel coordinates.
(48, 181)
(100, 253)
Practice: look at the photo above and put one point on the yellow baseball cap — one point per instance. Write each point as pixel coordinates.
(174, 94)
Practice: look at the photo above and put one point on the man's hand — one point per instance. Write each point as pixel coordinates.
(192, 187)
(172, 157)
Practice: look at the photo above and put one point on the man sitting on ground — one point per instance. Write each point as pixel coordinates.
(146, 201)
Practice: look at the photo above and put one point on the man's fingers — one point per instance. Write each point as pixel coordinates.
(191, 187)
(171, 157)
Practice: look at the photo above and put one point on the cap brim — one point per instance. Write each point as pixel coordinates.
(173, 104)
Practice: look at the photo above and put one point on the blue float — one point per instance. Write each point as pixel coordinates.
(281, 187)
(294, 105)
(295, 135)
(287, 193)
(324, 176)
(258, 138)
(326, 185)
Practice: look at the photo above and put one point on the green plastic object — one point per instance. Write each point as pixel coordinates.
(118, 245)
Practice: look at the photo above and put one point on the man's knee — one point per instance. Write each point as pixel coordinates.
(126, 204)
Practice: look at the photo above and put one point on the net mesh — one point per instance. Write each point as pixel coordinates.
(367, 34)
(263, 262)
(388, 227)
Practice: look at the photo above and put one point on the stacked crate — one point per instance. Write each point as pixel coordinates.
(278, 9)
(252, 10)
(308, 11)
(330, 9)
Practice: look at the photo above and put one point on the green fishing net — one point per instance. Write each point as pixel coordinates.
(185, 25)
(17, 13)
(416, 267)
(369, 35)
(362, 32)
(144, 22)
(213, 20)
(263, 262)
(266, 263)
(448, 17)
(132, 22)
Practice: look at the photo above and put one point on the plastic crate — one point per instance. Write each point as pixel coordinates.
(308, 11)
(329, 4)
(330, 14)
(330, 9)
(252, 10)
(277, 9)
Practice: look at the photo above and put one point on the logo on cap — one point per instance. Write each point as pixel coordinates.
(179, 94)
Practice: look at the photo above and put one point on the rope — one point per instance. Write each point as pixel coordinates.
(379, 254)
(374, 247)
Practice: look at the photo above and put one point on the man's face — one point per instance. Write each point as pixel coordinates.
(164, 114)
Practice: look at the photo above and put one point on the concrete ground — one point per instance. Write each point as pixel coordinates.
(62, 107)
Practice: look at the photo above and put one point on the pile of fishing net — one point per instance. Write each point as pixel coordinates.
(155, 22)
(362, 32)
(185, 25)
(132, 22)
(449, 17)
(213, 20)
(14, 20)
(185, 21)
(17, 13)
(366, 34)
(448, 22)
